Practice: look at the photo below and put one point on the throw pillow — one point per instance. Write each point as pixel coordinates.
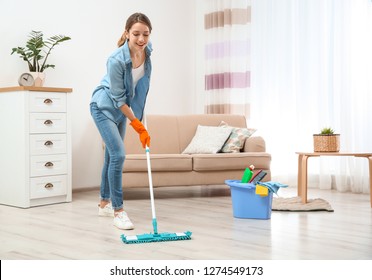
(208, 140)
(237, 138)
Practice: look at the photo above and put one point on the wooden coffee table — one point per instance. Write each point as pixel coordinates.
(302, 170)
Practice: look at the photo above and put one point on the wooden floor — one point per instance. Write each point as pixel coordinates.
(74, 230)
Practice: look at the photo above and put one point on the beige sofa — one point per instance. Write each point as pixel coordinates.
(170, 135)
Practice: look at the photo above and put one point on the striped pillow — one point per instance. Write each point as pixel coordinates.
(236, 140)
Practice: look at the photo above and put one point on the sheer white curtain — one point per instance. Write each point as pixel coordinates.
(227, 56)
(311, 67)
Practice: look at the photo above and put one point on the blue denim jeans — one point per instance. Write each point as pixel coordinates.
(112, 134)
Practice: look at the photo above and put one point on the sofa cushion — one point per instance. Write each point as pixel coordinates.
(208, 140)
(187, 125)
(159, 162)
(231, 161)
(236, 140)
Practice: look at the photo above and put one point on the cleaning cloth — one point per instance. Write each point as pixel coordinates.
(272, 186)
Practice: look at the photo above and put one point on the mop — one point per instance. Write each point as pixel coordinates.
(155, 236)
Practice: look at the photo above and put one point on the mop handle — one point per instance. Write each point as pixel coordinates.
(154, 223)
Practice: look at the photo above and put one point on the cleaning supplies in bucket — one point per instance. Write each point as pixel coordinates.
(246, 204)
(253, 176)
(253, 199)
(272, 186)
(248, 173)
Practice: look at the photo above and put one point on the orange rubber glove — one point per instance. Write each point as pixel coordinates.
(141, 130)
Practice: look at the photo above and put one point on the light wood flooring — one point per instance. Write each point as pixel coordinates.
(75, 231)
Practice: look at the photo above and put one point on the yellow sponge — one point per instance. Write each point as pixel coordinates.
(262, 190)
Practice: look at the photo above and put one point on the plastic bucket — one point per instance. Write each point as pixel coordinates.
(246, 203)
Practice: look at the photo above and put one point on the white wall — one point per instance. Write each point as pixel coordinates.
(95, 27)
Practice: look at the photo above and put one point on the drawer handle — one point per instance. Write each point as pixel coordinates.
(48, 101)
(48, 143)
(49, 164)
(49, 186)
(48, 122)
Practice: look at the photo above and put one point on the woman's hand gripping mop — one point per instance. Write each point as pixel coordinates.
(155, 236)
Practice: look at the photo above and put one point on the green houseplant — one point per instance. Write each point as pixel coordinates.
(37, 50)
(326, 141)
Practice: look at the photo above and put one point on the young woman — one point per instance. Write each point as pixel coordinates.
(121, 95)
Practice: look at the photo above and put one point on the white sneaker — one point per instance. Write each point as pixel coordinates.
(122, 221)
(106, 211)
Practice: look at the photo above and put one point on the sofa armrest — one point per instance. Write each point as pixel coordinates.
(254, 144)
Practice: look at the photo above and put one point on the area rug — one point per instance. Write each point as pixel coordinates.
(295, 204)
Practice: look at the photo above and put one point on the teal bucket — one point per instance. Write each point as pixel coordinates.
(246, 203)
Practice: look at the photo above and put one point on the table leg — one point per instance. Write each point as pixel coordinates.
(303, 179)
(299, 175)
(370, 175)
(370, 179)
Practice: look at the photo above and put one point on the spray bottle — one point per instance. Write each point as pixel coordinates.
(248, 174)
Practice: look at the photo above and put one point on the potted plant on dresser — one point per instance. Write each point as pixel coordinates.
(326, 141)
(36, 53)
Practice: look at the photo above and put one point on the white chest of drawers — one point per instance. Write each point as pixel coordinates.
(35, 146)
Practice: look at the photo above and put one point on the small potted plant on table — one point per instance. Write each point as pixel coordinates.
(36, 53)
(326, 141)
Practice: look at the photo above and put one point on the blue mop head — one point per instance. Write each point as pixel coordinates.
(156, 237)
